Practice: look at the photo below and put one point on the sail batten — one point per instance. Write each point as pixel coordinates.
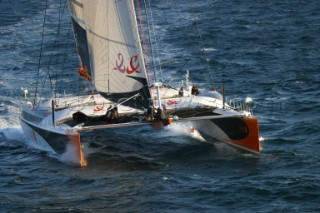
(112, 46)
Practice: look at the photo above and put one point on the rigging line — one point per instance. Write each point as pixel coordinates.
(186, 60)
(65, 55)
(150, 43)
(41, 91)
(108, 52)
(155, 38)
(61, 65)
(80, 86)
(189, 37)
(40, 55)
(53, 48)
(51, 56)
(144, 42)
(187, 29)
(185, 63)
(201, 41)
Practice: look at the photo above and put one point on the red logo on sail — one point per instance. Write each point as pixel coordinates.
(171, 102)
(98, 108)
(134, 65)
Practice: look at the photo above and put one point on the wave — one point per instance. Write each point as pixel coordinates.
(12, 133)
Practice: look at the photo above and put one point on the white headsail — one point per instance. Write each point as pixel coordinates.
(108, 43)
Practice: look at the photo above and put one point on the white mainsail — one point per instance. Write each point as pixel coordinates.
(109, 46)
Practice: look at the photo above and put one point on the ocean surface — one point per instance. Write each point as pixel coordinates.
(266, 50)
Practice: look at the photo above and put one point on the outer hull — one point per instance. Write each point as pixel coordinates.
(33, 138)
(36, 122)
(53, 140)
(241, 132)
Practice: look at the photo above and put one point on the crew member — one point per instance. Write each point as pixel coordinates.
(181, 91)
(115, 114)
(158, 116)
(108, 113)
(194, 90)
(150, 113)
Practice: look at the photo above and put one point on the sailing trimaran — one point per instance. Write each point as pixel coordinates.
(112, 58)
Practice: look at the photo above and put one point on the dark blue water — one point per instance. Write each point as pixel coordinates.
(268, 50)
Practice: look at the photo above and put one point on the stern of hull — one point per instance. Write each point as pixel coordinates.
(74, 137)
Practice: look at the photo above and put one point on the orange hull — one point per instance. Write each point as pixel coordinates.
(251, 142)
(241, 132)
(75, 139)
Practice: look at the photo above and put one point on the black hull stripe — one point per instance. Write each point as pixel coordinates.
(235, 128)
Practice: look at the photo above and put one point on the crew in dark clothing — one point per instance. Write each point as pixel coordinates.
(181, 91)
(158, 116)
(161, 114)
(114, 115)
(194, 90)
(164, 112)
(108, 113)
(150, 113)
